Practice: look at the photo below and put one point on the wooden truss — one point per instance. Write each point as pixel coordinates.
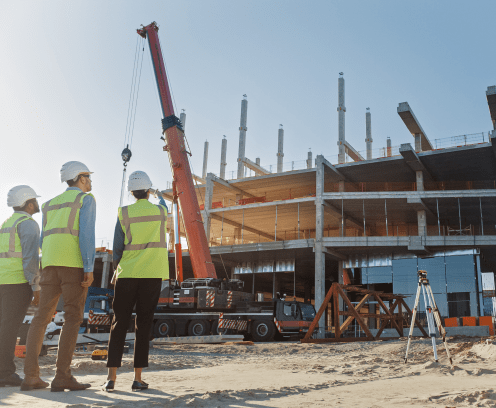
(353, 313)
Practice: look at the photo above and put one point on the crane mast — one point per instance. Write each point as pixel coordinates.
(178, 159)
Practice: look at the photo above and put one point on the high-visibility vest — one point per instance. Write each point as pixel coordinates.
(60, 245)
(145, 246)
(11, 271)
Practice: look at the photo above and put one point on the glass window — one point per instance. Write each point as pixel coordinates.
(459, 304)
(405, 279)
(287, 309)
(378, 274)
(436, 273)
(460, 273)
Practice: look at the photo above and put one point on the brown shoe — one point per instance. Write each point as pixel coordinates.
(33, 384)
(71, 384)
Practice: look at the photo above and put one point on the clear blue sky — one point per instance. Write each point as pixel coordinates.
(66, 72)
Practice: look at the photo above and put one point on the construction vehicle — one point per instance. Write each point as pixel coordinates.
(205, 304)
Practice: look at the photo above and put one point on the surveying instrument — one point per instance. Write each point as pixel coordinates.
(432, 312)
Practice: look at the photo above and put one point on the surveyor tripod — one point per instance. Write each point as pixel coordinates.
(432, 312)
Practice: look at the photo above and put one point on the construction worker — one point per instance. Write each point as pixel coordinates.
(19, 275)
(68, 257)
(140, 253)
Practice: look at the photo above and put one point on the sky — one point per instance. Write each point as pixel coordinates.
(67, 68)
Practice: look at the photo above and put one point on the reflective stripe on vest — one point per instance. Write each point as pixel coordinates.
(75, 206)
(127, 221)
(11, 253)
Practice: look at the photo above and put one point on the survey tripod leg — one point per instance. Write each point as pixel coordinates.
(430, 320)
(442, 330)
(414, 315)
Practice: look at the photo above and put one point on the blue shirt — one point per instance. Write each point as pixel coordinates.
(87, 222)
(28, 235)
(118, 247)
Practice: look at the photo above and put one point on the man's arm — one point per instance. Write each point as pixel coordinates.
(87, 221)
(161, 201)
(28, 234)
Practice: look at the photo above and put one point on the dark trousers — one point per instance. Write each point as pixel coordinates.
(144, 293)
(14, 302)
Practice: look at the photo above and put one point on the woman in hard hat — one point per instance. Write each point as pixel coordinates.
(141, 261)
(19, 275)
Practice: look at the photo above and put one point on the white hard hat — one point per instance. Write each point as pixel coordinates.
(72, 169)
(139, 180)
(17, 196)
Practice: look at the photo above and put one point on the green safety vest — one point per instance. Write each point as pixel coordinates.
(145, 246)
(60, 245)
(11, 271)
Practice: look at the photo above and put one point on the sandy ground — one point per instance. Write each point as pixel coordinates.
(362, 374)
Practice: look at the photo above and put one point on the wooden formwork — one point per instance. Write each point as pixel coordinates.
(353, 313)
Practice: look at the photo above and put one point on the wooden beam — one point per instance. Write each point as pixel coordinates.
(355, 313)
(259, 170)
(348, 321)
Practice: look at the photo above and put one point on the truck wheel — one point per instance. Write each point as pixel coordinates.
(214, 328)
(163, 328)
(263, 330)
(198, 328)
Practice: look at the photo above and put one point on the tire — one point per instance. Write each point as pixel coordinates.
(198, 328)
(164, 328)
(263, 330)
(214, 328)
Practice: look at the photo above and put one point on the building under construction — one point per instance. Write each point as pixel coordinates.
(373, 221)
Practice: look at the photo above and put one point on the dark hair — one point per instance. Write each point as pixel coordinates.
(32, 200)
(72, 183)
(139, 194)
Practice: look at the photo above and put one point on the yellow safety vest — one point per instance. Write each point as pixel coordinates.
(11, 271)
(60, 245)
(145, 245)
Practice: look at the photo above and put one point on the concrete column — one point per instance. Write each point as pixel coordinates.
(368, 132)
(422, 223)
(276, 285)
(420, 180)
(341, 112)
(257, 161)
(388, 147)
(223, 162)
(309, 160)
(280, 153)
(319, 247)
(205, 159)
(308, 292)
(209, 192)
(418, 142)
(242, 137)
(342, 227)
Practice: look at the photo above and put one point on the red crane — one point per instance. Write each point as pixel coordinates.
(199, 251)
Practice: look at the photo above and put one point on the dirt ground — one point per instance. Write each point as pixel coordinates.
(361, 374)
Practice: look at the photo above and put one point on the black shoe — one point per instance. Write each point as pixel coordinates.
(108, 386)
(12, 380)
(139, 386)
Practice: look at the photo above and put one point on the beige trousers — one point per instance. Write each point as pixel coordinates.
(56, 281)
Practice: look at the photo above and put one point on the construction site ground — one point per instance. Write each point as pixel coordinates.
(289, 374)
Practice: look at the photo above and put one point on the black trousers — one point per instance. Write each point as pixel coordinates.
(14, 302)
(144, 293)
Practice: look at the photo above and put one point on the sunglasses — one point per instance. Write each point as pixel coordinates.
(86, 175)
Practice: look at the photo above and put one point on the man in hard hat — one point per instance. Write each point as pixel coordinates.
(19, 274)
(68, 257)
(140, 253)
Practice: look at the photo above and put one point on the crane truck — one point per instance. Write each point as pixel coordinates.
(205, 304)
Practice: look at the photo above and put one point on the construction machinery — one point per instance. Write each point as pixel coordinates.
(206, 304)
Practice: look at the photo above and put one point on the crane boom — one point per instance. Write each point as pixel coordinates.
(178, 159)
